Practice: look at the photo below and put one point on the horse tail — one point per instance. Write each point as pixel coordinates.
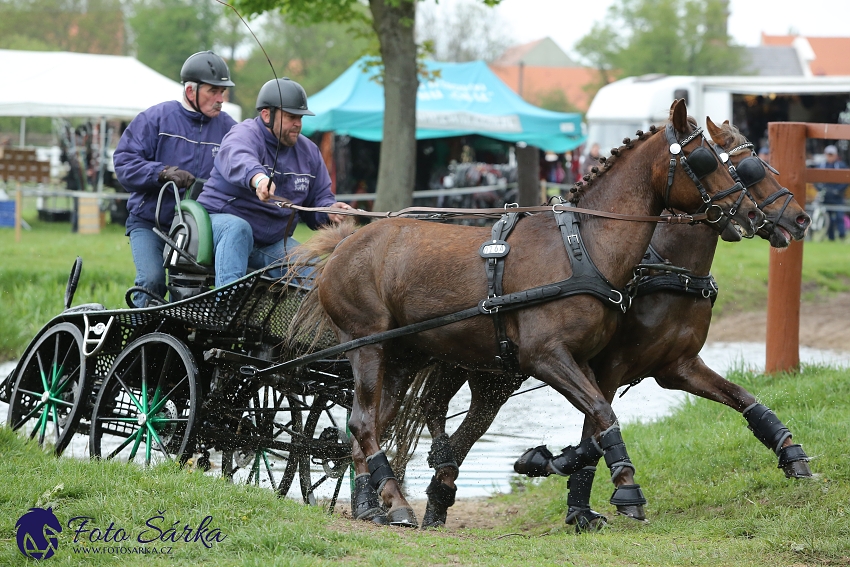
(310, 326)
(402, 436)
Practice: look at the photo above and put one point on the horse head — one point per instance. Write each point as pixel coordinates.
(718, 195)
(785, 219)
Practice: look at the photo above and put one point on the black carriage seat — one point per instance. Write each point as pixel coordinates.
(188, 254)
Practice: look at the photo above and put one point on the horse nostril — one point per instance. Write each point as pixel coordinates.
(804, 220)
(752, 215)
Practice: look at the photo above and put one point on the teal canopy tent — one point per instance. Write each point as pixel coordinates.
(465, 98)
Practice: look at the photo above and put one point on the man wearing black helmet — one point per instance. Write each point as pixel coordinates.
(171, 141)
(260, 157)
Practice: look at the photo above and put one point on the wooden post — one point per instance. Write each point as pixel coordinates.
(19, 211)
(788, 155)
(528, 175)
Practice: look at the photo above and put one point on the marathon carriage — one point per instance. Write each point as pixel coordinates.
(179, 380)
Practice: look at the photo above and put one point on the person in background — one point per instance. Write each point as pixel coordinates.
(261, 157)
(833, 194)
(171, 141)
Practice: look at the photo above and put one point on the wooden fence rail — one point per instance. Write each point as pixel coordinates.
(788, 155)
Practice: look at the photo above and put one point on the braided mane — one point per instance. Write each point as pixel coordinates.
(580, 187)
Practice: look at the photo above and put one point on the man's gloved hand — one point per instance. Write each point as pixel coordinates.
(180, 177)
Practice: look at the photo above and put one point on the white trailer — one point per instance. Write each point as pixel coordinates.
(749, 102)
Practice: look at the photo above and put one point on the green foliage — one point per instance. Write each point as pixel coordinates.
(83, 26)
(314, 56)
(556, 100)
(662, 36)
(166, 32)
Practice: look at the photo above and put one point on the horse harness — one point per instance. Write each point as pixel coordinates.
(698, 164)
(750, 171)
(672, 278)
(585, 279)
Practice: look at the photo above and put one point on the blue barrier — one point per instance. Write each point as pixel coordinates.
(7, 213)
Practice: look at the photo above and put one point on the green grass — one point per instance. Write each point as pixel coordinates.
(715, 498)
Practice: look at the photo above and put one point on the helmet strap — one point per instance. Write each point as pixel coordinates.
(193, 103)
(270, 123)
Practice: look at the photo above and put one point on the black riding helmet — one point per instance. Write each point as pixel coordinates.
(206, 67)
(284, 94)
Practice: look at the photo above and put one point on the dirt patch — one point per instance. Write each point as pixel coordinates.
(824, 324)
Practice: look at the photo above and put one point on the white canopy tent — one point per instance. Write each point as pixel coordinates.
(62, 84)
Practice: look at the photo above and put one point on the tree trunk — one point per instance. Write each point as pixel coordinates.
(528, 175)
(393, 21)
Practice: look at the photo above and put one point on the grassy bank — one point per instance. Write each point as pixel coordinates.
(715, 498)
(33, 274)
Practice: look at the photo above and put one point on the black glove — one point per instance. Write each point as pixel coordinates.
(180, 177)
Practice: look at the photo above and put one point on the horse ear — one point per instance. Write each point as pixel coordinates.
(715, 132)
(679, 112)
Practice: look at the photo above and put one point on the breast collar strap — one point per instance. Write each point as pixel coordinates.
(655, 274)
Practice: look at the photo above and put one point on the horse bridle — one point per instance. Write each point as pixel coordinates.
(751, 170)
(697, 165)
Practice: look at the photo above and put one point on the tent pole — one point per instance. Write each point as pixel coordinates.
(23, 137)
(102, 167)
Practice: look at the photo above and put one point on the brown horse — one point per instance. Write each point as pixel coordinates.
(397, 272)
(660, 336)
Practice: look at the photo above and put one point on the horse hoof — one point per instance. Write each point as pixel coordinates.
(403, 517)
(586, 520)
(633, 512)
(628, 495)
(797, 469)
(435, 516)
(794, 462)
(534, 462)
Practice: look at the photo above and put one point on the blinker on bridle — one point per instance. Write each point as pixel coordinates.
(751, 170)
(697, 165)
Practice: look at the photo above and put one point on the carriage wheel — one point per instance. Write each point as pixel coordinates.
(329, 451)
(50, 390)
(272, 421)
(147, 403)
(282, 442)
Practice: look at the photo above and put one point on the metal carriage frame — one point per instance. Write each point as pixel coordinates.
(168, 383)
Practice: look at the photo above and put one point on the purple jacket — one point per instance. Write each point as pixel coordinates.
(300, 176)
(164, 134)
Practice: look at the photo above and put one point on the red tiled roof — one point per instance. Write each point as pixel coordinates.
(538, 81)
(830, 52)
(513, 55)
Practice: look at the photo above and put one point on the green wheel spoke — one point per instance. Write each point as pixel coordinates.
(157, 439)
(160, 403)
(61, 387)
(148, 432)
(56, 422)
(130, 394)
(41, 371)
(135, 449)
(268, 468)
(144, 380)
(44, 416)
(35, 429)
(27, 417)
(122, 445)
